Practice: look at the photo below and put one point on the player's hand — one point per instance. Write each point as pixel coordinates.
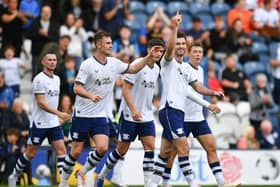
(219, 94)
(64, 116)
(214, 108)
(136, 116)
(96, 98)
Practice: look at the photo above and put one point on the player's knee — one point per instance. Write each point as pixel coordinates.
(102, 149)
(75, 153)
(61, 151)
(30, 154)
(211, 148)
(182, 150)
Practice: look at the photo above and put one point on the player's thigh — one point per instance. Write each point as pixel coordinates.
(181, 145)
(207, 141)
(101, 142)
(123, 147)
(148, 142)
(31, 150)
(59, 147)
(127, 131)
(165, 148)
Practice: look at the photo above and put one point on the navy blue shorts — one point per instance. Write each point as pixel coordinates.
(37, 135)
(129, 130)
(114, 129)
(197, 128)
(172, 121)
(83, 127)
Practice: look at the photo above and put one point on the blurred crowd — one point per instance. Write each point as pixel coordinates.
(240, 39)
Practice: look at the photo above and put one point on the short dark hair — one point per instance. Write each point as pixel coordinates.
(181, 34)
(195, 44)
(99, 35)
(9, 46)
(65, 36)
(196, 19)
(156, 41)
(12, 131)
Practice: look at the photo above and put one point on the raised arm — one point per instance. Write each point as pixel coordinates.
(174, 25)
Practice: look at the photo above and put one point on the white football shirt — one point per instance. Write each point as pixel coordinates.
(49, 86)
(11, 70)
(142, 92)
(99, 79)
(175, 78)
(193, 111)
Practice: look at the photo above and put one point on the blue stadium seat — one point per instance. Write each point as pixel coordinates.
(264, 59)
(139, 21)
(219, 9)
(197, 9)
(186, 22)
(252, 68)
(207, 21)
(136, 6)
(259, 48)
(173, 6)
(273, 49)
(151, 6)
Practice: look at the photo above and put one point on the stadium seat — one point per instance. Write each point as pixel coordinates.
(136, 6)
(252, 67)
(207, 21)
(264, 59)
(151, 6)
(173, 6)
(230, 122)
(197, 9)
(226, 108)
(219, 9)
(259, 48)
(139, 21)
(186, 22)
(273, 46)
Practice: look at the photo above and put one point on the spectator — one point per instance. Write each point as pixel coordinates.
(218, 37)
(22, 120)
(115, 13)
(124, 45)
(275, 64)
(270, 135)
(65, 105)
(13, 20)
(198, 34)
(42, 31)
(74, 28)
(31, 10)
(267, 21)
(74, 6)
(6, 94)
(213, 82)
(240, 43)
(60, 49)
(67, 76)
(243, 14)
(11, 66)
(92, 16)
(10, 150)
(248, 140)
(156, 23)
(260, 101)
(234, 82)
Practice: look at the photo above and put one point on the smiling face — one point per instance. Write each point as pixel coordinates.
(105, 45)
(180, 47)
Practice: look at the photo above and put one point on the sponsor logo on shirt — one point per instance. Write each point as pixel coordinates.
(53, 93)
(146, 84)
(104, 81)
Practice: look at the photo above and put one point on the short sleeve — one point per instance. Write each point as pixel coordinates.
(120, 66)
(38, 86)
(82, 74)
(131, 78)
(192, 77)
